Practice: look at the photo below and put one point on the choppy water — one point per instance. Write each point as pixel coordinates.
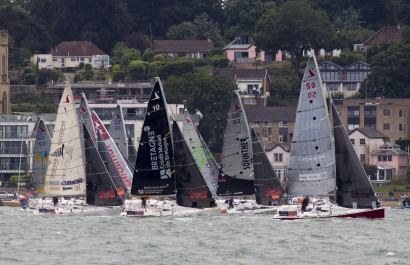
(247, 239)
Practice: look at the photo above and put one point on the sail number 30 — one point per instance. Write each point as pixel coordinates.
(311, 85)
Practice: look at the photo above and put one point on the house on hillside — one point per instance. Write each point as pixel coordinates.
(272, 124)
(365, 141)
(253, 84)
(243, 50)
(279, 155)
(183, 48)
(385, 34)
(69, 54)
(391, 161)
(344, 80)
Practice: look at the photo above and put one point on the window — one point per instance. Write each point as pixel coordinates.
(283, 124)
(281, 140)
(278, 157)
(352, 141)
(386, 112)
(332, 86)
(73, 59)
(55, 60)
(362, 141)
(400, 127)
(255, 124)
(384, 158)
(267, 124)
(351, 86)
(351, 127)
(43, 60)
(363, 158)
(353, 113)
(254, 89)
(270, 138)
(386, 126)
(400, 113)
(249, 101)
(370, 113)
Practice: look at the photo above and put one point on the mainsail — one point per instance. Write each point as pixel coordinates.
(192, 190)
(154, 169)
(197, 147)
(100, 188)
(41, 151)
(66, 167)
(236, 173)
(117, 131)
(268, 187)
(114, 154)
(353, 184)
(312, 159)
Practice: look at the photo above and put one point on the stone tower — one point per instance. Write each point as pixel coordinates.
(5, 106)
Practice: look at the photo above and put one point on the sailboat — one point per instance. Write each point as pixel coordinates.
(41, 151)
(323, 164)
(165, 167)
(203, 158)
(236, 175)
(116, 163)
(66, 170)
(245, 169)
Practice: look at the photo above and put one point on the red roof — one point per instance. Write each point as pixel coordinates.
(76, 48)
(385, 34)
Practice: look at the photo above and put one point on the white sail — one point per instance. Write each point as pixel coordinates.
(200, 153)
(119, 161)
(312, 159)
(66, 167)
(41, 151)
(236, 158)
(117, 131)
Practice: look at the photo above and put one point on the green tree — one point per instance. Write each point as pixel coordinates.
(390, 76)
(294, 27)
(241, 17)
(207, 94)
(370, 169)
(183, 31)
(349, 19)
(347, 38)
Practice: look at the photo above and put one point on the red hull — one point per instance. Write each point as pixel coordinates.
(369, 214)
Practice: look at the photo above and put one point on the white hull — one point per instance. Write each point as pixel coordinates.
(74, 207)
(324, 208)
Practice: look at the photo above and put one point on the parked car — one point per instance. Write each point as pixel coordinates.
(4, 195)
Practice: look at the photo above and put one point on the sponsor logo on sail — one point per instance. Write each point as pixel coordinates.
(119, 167)
(72, 182)
(246, 163)
(198, 195)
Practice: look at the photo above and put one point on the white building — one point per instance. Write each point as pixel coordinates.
(69, 54)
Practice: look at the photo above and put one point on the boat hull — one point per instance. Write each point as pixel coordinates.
(369, 214)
